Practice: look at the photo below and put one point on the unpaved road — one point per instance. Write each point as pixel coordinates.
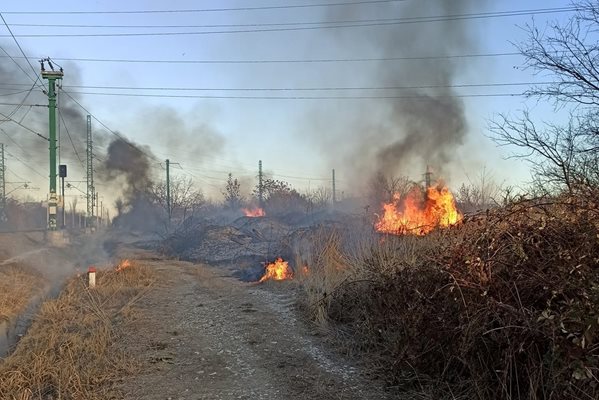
(199, 334)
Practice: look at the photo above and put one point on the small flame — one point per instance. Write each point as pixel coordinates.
(278, 271)
(254, 212)
(124, 264)
(417, 215)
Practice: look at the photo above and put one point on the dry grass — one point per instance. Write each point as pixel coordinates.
(18, 284)
(72, 349)
(506, 306)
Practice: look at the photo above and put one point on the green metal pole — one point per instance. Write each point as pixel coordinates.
(52, 136)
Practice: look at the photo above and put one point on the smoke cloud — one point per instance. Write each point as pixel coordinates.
(422, 121)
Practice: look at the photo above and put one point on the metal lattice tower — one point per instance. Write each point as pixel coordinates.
(90, 170)
(260, 185)
(2, 183)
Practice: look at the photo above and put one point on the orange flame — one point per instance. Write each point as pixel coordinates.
(253, 212)
(417, 215)
(278, 271)
(124, 264)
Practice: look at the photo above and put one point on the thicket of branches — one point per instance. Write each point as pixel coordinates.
(563, 156)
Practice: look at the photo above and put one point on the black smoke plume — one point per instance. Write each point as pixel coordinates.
(422, 120)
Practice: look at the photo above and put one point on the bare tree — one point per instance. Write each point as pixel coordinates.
(383, 188)
(232, 193)
(563, 157)
(481, 192)
(319, 198)
(185, 199)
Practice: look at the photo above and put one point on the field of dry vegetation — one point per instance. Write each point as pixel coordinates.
(72, 349)
(503, 306)
(18, 284)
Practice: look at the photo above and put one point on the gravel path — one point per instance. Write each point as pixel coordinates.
(202, 335)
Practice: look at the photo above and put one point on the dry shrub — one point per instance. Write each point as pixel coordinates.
(18, 284)
(505, 306)
(72, 349)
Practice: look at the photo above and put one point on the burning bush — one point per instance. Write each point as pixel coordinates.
(419, 212)
(504, 306)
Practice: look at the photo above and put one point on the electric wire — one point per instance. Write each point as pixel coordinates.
(404, 97)
(290, 61)
(22, 52)
(70, 138)
(200, 10)
(436, 18)
(118, 135)
(315, 88)
(26, 165)
(24, 127)
(306, 28)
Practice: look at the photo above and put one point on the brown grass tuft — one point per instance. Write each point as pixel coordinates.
(18, 284)
(72, 349)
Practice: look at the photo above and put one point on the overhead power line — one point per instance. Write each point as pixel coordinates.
(290, 61)
(23, 53)
(300, 89)
(399, 21)
(70, 138)
(407, 97)
(118, 135)
(490, 14)
(200, 10)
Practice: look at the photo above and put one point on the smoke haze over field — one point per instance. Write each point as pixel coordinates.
(422, 122)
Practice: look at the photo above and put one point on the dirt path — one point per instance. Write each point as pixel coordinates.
(202, 335)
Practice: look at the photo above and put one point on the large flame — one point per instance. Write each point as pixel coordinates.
(278, 271)
(419, 213)
(254, 212)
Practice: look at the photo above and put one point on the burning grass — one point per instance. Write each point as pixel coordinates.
(278, 270)
(18, 284)
(504, 306)
(72, 349)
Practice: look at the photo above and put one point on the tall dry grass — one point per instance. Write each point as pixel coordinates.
(505, 306)
(72, 349)
(18, 285)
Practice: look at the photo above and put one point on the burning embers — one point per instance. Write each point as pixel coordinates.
(253, 212)
(124, 264)
(278, 271)
(419, 212)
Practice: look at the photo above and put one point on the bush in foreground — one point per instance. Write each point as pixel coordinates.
(505, 306)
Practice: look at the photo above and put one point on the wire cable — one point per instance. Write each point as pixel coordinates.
(118, 135)
(290, 61)
(200, 10)
(404, 97)
(22, 52)
(70, 138)
(305, 28)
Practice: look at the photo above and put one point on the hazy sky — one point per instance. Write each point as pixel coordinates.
(211, 127)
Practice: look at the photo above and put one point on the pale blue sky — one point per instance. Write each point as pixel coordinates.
(242, 131)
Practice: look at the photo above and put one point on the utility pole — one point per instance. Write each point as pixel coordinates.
(2, 185)
(428, 177)
(168, 189)
(260, 185)
(334, 190)
(90, 172)
(52, 76)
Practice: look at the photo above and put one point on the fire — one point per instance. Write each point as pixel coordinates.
(418, 214)
(254, 212)
(124, 264)
(278, 271)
